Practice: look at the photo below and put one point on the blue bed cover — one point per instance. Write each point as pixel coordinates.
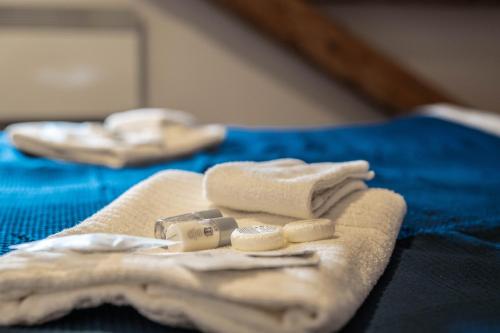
(444, 274)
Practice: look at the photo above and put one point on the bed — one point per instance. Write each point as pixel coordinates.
(444, 274)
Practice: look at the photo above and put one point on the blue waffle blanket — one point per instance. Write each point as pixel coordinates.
(449, 175)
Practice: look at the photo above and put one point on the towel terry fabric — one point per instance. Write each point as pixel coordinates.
(125, 138)
(286, 186)
(42, 286)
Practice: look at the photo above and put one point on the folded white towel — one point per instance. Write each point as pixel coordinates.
(286, 186)
(41, 286)
(125, 138)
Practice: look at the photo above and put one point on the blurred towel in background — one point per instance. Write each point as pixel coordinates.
(126, 138)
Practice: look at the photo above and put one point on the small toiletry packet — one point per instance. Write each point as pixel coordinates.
(93, 243)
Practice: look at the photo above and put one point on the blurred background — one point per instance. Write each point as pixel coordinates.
(84, 59)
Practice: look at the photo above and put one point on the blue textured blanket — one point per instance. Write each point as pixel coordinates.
(450, 239)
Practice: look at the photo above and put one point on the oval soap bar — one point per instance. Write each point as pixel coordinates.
(309, 230)
(258, 238)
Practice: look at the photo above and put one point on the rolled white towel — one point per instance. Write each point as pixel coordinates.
(146, 126)
(287, 187)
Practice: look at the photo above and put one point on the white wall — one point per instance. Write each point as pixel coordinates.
(455, 47)
(209, 63)
(206, 61)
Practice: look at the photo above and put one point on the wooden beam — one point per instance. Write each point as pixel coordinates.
(327, 44)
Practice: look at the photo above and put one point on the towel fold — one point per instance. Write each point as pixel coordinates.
(42, 286)
(286, 186)
(125, 138)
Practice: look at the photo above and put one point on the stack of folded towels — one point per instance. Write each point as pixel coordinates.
(125, 138)
(287, 296)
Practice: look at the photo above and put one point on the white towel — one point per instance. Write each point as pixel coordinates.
(286, 186)
(125, 138)
(293, 299)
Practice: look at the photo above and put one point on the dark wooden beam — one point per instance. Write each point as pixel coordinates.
(302, 27)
